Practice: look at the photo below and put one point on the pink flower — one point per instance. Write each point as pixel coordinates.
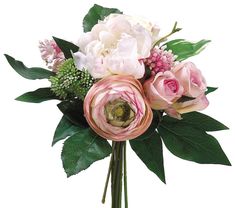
(116, 109)
(191, 78)
(51, 54)
(197, 104)
(160, 60)
(163, 90)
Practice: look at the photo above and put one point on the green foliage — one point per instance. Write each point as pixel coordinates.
(37, 96)
(197, 120)
(96, 13)
(149, 151)
(185, 49)
(186, 138)
(73, 111)
(71, 82)
(66, 47)
(65, 129)
(148, 133)
(191, 143)
(65, 80)
(28, 73)
(84, 83)
(162, 39)
(211, 89)
(82, 149)
(185, 99)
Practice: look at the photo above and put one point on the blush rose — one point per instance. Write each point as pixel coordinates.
(190, 78)
(163, 90)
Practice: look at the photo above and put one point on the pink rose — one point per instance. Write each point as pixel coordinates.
(163, 90)
(115, 108)
(51, 54)
(197, 104)
(191, 78)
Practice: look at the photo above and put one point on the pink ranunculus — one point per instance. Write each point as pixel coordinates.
(51, 54)
(116, 109)
(163, 90)
(197, 104)
(191, 78)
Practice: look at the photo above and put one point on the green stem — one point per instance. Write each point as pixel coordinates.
(159, 114)
(174, 30)
(119, 177)
(113, 173)
(117, 170)
(125, 178)
(109, 173)
(116, 175)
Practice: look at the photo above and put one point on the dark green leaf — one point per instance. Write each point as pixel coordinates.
(150, 152)
(197, 120)
(147, 134)
(96, 13)
(192, 144)
(37, 96)
(147, 73)
(28, 73)
(82, 149)
(64, 129)
(185, 49)
(66, 47)
(184, 99)
(211, 89)
(73, 111)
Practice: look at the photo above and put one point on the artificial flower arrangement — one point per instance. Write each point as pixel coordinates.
(122, 82)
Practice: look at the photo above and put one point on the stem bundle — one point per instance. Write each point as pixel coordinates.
(118, 172)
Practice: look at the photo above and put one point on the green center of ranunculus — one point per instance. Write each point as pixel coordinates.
(119, 113)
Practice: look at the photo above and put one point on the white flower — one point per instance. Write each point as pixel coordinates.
(116, 46)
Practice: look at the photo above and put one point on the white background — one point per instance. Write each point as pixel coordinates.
(31, 174)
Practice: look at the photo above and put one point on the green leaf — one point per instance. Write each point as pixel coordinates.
(185, 99)
(192, 144)
(82, 149)
(64, 129)
(147, 73)
(211, 89)
(28, 73)
(96, 13)
(37, 96)
(148, 133)
(197, 120)
(185, 49)
(149, 151)
(73, 111)
(66, 47)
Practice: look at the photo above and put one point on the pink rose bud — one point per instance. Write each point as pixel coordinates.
(163, 90)
(191, 78)
(197, 104)
(116, 109)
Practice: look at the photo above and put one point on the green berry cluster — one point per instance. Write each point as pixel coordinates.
(71, 82)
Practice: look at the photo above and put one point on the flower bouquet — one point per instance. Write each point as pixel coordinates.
(123, 82)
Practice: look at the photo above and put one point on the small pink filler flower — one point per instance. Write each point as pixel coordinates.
(160, 60)
(51, 54)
